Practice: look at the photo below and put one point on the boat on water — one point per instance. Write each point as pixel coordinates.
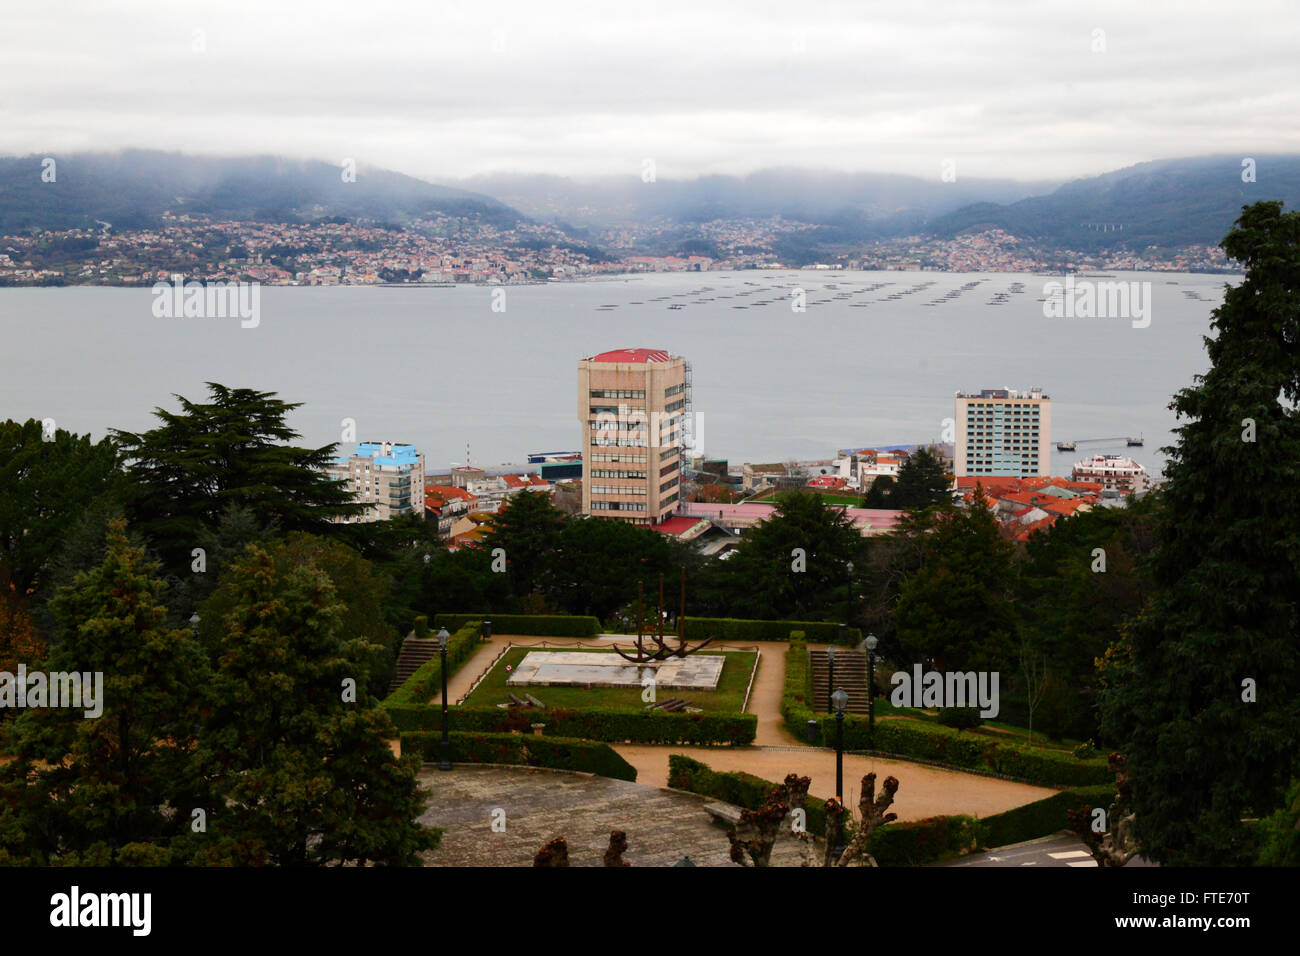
(1065, 446)
(1134, 442)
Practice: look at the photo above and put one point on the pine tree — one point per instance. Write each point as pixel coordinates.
(795, 564)
(45, 485)
(232, 450)
(114, 787)
(20, 640)
(293, 742)
(1205, 750)
(957, 606)
(921, 482)
(528, 529)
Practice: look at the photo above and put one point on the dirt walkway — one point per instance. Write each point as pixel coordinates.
(923, 791)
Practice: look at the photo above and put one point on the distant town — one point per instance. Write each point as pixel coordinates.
(465, 250)
(635, 464)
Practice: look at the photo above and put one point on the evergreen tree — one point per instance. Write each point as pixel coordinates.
(292, 741)
(20, 640)
(113, 787)
(957, 606)
(599, 562)
(44, 487)
(794, 565)
(1203, 749)
(880, 493)
(528, 529)
(922, 482)
(232, 450)
(1079, 580)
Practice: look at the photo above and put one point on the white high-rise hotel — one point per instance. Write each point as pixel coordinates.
(1002, 431)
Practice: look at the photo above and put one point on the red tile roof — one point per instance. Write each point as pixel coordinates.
(676, 525)
(447, 491)
(632, 356)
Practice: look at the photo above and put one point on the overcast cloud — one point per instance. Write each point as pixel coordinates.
(448, 89)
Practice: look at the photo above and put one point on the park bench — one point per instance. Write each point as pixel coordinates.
(723, 812)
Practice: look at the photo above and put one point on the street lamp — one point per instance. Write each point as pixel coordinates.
(871, 643)
(194, 623)
(839, 700)
(830, 673)
(485, 630)
(444, 638)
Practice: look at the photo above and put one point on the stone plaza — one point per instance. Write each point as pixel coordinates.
(595, 669)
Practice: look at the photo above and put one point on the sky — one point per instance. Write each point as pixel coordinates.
(441, 90)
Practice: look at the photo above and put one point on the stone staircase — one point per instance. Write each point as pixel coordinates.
(850, 674)
(415, 652)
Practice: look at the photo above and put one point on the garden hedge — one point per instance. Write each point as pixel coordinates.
(426, 683)
(917, 842)
(534, 625)
(736, 787)
(1042, 817)
(618, 726)
(740, 630)
(910, 843)
(555, 753)
(930, 741)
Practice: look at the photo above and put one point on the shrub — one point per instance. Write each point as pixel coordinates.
(537, 625)
(933, 742)
(917, 842)
(960, 718)
(1042, 817)
(741, 789)
(555, 753)
(422, 686)
(914, 842)
(647, 727)
(741, 631)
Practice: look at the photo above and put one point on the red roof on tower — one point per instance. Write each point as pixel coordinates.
(632, 356)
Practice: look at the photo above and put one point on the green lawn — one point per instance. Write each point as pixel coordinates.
(728, 698)
(831, 499)
(994, 729)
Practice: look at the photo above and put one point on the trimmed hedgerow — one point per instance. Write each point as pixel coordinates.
(426, 683)
(555, 753)
(618, 726)
(924, 740)
(796, 693)
(534, 625)
(736, 787)
(910, 843)
(967, 751)
(917, 842)
(1042, 817)
(739, 630)
(960, 718)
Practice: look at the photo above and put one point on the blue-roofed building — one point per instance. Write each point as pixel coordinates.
(387, 477)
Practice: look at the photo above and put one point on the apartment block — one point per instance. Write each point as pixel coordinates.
(633, 405)
(1115, 472)
(1003, 431)
(387, 477)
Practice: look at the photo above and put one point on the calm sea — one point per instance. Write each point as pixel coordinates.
(875, 359)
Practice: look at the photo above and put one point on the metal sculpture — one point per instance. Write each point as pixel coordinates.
(650, 643)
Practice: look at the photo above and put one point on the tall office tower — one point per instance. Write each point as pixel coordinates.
(1002, 431)
(632, 404)
(388, 478)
